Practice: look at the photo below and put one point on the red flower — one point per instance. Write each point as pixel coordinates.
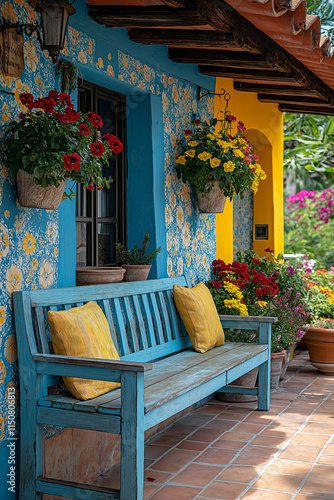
(110, 138)
(72, 161)
(53, 94)
(72, 114)
(65, 99)
(83, 129)
(91, 187)
(61, 117)
(116, 146)
(95, 119)
(49, 104)
(21, 116)
(231, 118)
(26, 98)
(197, 121)
(256, 261)
(188, 132)
(97, 148)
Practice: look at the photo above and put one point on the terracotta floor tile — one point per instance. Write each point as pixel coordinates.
(220, 425)
(164, 439)
(260, 418)
(319, 428)
(188, 444)
(278, 482)
(239, 473)
(206, 435)
(181, 428)
(224, 491)
(301, 453)
(216, 456)
(176, 493)
(311, 497)
(251, 460)
(231, 416)
(265, 440)
(226, 443)
(323, 472)
(174, 460)
(210, 409)
(197, 475)
(256, 494)
(277, 430)
(238, 409)
(155, 452)
(288, 421)
(326, 460)
(262, 451)
(158, 476)
(249, 428)
(149, 489)
(238, 436)
(290, 467)
(316, 486)
(329, 450)
(309, 439)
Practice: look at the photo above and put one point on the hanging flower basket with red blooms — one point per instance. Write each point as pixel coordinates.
(53, 142)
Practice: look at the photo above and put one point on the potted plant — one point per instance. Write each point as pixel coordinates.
(319, 338)
(52, 142)
(218, 163)
(136, 262)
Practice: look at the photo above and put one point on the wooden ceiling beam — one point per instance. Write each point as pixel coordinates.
(146, 16)
(246, 74)
(184, 38)
(309, 110)
(292, 99)
(268, 88)
(218, 58)
(221, 15)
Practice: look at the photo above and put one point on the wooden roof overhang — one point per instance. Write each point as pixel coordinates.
(271, 47)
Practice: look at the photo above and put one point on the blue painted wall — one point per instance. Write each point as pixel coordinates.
(37, 248)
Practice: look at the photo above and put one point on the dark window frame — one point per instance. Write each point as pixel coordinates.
(89, 199)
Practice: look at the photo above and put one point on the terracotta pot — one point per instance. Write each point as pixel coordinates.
(98, 275)
(287, 361)
(320, 344)
(136, 272)
(277, 360)
(213, 201)
(247, 380)
(32, 195)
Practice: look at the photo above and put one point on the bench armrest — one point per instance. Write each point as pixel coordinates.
(249, 319)
(96, 369)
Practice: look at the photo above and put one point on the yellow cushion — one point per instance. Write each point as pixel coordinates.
(200, 317)
(83, 332)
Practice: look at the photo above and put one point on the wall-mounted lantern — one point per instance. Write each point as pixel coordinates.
(54, 18)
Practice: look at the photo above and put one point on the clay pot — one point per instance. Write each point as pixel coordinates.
(212, 202)
(32, 195)
(320, 344)
(287, 361)
(136, 272)
(98, 275)
(277, 360)
(247, 380)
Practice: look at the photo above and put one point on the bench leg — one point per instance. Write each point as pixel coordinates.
(132, 430)
(263, 402)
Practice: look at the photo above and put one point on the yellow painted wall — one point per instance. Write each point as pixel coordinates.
(264, 124)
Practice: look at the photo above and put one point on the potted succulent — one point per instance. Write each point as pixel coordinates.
(136, 262)
(218, 163)
(319, 338)
(52, 142)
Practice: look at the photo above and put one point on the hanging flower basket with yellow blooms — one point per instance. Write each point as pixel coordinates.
(218, 163)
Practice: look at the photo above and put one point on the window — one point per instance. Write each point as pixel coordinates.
(101, 215)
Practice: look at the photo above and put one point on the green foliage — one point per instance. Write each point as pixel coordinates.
(324, 9)
(214, 153)
(136, 256)
(70, 75)
(320, 294)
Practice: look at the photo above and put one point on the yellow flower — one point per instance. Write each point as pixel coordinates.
(242, 141)
(191, 153)
(254, 187)
(192, 144)
(211, 136)
(263, 175)
(29, 244)
(262, 303)
(215, 162)
(182, 160)
(229, 166)
(205, 156)
(223, 144)
(238, 153)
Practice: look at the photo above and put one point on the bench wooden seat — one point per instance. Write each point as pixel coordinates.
(160, 373)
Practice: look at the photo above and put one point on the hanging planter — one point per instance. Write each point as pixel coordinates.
(31, 195)
(212, 202)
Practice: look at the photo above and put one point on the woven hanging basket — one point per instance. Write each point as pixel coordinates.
(32, 195)
(212, 202)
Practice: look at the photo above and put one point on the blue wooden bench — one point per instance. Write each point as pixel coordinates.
(160, 373)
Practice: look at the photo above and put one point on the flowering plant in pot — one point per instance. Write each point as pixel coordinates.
(52, 142)
(137, 262)
(217, 162)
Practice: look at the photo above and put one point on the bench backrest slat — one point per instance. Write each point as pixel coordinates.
(148, 321)
(156, 319)
(131, 324)
(141, 324)
(165, 316)
(107, 311)
(120, 327)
